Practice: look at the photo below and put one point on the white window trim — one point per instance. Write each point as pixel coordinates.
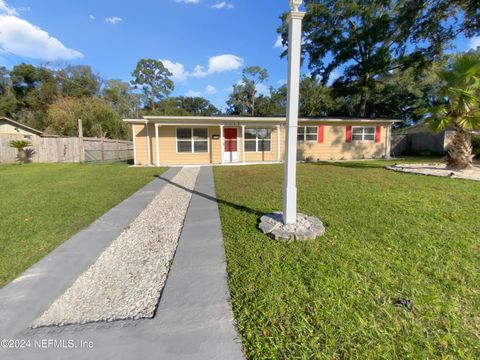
(305, 134)
(363, 133)
(256, 140)
(191, 140)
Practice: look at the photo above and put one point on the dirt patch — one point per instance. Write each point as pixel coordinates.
(437, 170)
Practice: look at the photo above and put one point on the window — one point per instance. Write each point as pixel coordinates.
(363, 133)
(192, 140)
(258, 139)
(307, 133)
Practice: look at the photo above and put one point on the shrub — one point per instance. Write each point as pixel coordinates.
(20, 145)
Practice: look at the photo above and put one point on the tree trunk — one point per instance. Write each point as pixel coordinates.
(152, 97)
(460, 150)
(21, 155)
(365, 94)
(253, 105)
(363, 106)
(363, 102)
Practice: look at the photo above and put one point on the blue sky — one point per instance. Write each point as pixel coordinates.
(204, 42)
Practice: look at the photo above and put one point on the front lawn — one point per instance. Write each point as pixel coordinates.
(389, 236)
(42, 205)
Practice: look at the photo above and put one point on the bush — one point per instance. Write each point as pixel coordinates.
(19, 144)
(99, 119)
(22, 154)
(476, 146)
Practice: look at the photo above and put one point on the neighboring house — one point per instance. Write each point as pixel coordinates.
(195, 140)
(15, 130)
(419, 139)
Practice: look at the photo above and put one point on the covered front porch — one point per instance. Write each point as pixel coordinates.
(167, 141)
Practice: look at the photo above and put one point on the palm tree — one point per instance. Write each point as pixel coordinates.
(458, 106)
(20, 145)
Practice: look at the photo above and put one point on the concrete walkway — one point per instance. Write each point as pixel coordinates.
(194, 319)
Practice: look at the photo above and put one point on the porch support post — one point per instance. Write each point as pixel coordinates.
(278, 143)
(222, 144)
(149, 153)
(156, 145)
(243, 144)
(134, 135)
(294, 19)
(388, 142)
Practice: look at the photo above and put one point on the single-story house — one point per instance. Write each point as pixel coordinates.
(14, 130)
(197, 140)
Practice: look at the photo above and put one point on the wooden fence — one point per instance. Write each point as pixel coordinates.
(70, 150)
(418, 143)
(107, 150)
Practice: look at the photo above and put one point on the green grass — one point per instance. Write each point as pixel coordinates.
(42, 205)
(388, 236)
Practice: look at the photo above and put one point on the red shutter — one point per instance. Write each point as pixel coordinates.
(349, 134)
(321, 133)
(378, 130)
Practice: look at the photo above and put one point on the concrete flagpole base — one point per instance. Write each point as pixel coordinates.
(305, 228)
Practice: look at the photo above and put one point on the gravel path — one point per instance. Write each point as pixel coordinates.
(437, 170)
(126, 280)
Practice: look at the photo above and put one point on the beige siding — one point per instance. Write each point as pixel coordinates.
(168, 148)
(334, 146)
(268, 156)
(10, 129)
(140, 141)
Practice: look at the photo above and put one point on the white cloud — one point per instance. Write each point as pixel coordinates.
(281, 82)
(177, 69)
(223, 63)
(19, 37)
(91, 17)
(199, 72)
(262, 89)
(210, 89)
(191, 93)
(113, 20)
(216, 64)
(278, 43)
(223, 5)
(474, 42)
(187, 1)
(6, 9)
(24, 9)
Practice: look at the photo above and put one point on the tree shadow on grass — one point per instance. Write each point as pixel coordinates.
(214, 199)
(352, 165)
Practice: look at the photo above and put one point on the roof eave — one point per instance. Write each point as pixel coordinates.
(38, 132)
(219, 119)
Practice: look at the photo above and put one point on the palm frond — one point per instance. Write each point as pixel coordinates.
(470, 122)
(438, 124)
(436, 117)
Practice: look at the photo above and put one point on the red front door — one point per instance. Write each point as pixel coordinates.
(230, 140)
